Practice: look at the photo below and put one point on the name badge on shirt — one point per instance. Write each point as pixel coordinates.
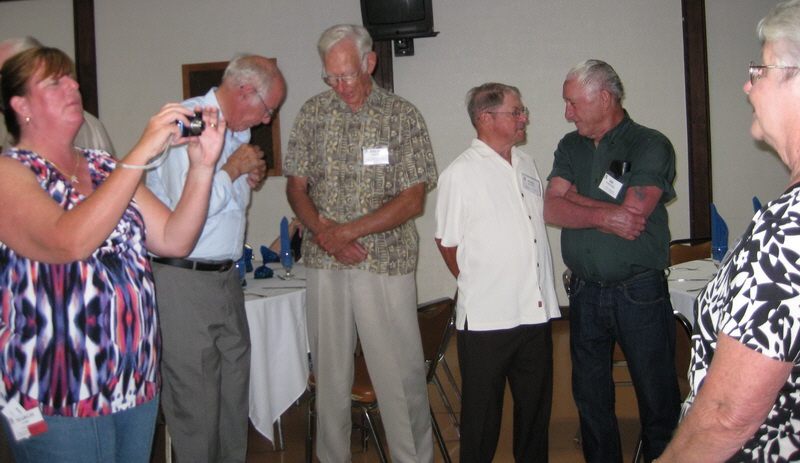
(375, 155)
(531, 184)
(24, 423)
(611, 185)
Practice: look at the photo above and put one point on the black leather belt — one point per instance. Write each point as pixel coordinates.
(604, 284)
(222, 266)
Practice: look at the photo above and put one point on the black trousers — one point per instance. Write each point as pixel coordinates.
(522, 355)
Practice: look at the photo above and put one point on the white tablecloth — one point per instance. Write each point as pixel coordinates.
(276, 313)
(685, 282)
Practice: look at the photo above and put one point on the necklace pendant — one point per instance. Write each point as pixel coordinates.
(74, 179)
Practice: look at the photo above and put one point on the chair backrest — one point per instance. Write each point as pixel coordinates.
(689, 249)
(436, 324)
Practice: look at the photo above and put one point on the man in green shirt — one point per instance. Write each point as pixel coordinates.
(610, 182)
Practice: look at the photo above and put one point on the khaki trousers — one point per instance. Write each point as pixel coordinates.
(381, 311)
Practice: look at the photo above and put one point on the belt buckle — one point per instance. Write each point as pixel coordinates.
(225, 266)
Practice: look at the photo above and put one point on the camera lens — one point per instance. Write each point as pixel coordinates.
(195, 126)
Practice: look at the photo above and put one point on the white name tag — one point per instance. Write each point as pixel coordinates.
(531, 184)
(24, 423)
(375, 156)
(611, 185)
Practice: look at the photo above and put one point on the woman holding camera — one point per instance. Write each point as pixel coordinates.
(79, 341)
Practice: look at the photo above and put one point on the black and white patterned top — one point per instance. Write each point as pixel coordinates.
(755, 299)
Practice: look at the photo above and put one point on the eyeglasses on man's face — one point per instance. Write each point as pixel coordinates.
(516, 113)
(267, 111)
(350, 79)
(759, 71)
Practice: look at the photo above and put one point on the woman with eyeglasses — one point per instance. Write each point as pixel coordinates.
(744, 403)
(79, 335)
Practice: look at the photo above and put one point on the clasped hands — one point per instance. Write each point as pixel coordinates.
(247, 160)
(335, 240)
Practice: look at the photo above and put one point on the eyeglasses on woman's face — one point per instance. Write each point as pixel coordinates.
(758, 71)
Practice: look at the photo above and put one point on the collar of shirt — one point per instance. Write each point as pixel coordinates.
(375, 97)
(487, 151)
(611, 136)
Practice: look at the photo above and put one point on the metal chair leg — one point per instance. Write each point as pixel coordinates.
(446, 403)
(378, 445)
(450, 377)
(310, 430)
(364, 430)
(638, 455)
(437, 432)
(278, 444)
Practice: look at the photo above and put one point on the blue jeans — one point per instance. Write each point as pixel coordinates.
(122, 437)
(637, 314)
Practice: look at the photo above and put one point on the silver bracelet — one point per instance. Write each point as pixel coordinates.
(157, 161)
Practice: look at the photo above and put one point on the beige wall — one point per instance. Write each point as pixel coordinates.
(142, 43)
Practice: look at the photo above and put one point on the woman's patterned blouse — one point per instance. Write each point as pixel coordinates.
(79, 339)
(755, 299)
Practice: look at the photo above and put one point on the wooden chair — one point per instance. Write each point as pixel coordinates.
(684, 250)
(437, 322)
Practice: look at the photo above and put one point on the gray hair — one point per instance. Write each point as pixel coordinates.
(487, 96)
(333, 35)
(247, 69)
(595, 75)
(19, 44)
(782, 24)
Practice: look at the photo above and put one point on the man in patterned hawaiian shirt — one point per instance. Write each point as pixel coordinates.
(359, 164)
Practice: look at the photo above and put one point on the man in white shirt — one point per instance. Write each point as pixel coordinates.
(491, 233)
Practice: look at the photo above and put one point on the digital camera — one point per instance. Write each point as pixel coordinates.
(195, 126)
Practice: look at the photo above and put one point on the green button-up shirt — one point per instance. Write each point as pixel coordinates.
(325, 147)
(602, 257)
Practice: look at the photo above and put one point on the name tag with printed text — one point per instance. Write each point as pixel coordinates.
(611, 185)
(375, 156)
(24, 423)
(531, 184)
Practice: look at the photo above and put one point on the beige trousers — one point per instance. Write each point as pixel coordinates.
(381, 311)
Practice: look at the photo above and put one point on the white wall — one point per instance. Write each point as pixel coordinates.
(142, 43)
(50, 21)
(742, 168)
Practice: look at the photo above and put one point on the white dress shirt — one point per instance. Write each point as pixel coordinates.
(493, 212)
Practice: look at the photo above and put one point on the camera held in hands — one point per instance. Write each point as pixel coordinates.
(195, 126)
